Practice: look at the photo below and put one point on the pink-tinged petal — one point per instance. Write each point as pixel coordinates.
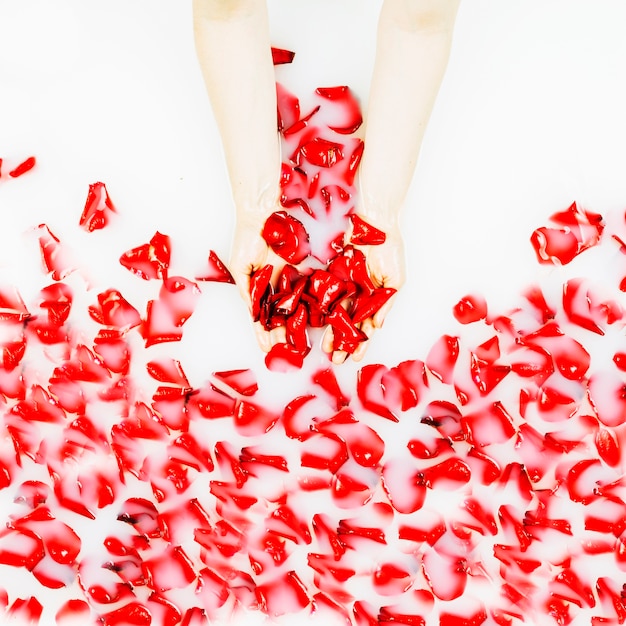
(345, 114)
(111, 348)
(283, 522)
(159, 326)
(186, 450)
(55, 259)
(25, 611)
(446, 575)
(365, 446)
(294, 186)
(371, 391)
(470, 308)
(32, 493)
(12, 307)
(568, 585)
(217, 270)
(402, 486)
(195, 616)
(169, 371)
(554, 245)
(352, 487)
(171, 569)
(212, 590)
(150, 260)
(442, 358)
(56, 299)
(242, 381)
(73, 612)
(20, 548)
(302, 414)
(569, 356)
(327, 380)
(253, 419)
(286, 594)
(227, 492)
(210, 403)
(328, 567)
(390, 579)
(301, 124)
(180, 295)
(142, 515)
(323, 452)
(449, 474)
(445, 417)
(354, 150)
(482, 466)
(610, 594)
(364, 614)
(607, 394)
(537, 300)
(587, 226)
(98, 208)
(576, 305)
(490, 425)
(288, 107)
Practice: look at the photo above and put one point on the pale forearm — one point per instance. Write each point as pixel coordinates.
(233, 45)
(414, 38)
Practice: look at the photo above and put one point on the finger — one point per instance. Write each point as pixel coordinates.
(339, 356)
(367, 326)
(242, 280)
(278, 335)
(263, 337)
(327, 340)
(380, 315)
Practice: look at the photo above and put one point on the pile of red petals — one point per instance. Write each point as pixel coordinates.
(325, 280)
(483, 484)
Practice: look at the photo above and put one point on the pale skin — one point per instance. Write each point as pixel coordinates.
(234, 50)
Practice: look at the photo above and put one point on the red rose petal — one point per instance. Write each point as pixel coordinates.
(287, 237)
(347, 110)
(217, 270)
(150, 260)
(364, 234)
(280, 56)
(23, 167)
(98, 208)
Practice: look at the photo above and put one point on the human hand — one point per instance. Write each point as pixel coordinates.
(386, 268)
(250, 253)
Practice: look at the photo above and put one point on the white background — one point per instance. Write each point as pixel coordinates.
(531, 116)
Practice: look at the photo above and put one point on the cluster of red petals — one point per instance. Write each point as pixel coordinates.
(325, 280)
(482, 485)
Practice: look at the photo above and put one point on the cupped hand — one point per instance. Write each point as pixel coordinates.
(250, 253)
(386, 267)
